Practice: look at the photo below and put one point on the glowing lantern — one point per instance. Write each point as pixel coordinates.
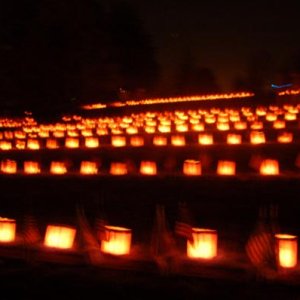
(285, 137)
(91, 142)
(192, 167)
(148, 168)
(210, 119)
(20, 144)
(257, 137)
(60, 237)
(52, 144)
(279, 124)
(222, 126)
(118, 141)
(240, 125)
(257, 125)
(117, 168)
(164, 128)
(226, 167)
(72, 142)
(9, 166)
(59, 134)
(72, 133)
(31, 167)
(205, 139)
(234, 139)
(137, 141)
(88, 168)
(204, 244)
(7, 230)
(5, 145)
(117, 240)
(44, 134)
(131, 130)
(182, 127)
(290, 116)
(178, 140)
(87, 132)
(150, 129)
(287, 250)
(269, 167)
(198, 127)
(160, 140)
(58, 167)
(102, 131)
(271, 117)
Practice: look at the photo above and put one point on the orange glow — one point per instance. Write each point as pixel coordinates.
(269, 167)
(290, 116)
(72, 142)
(205, 139)
(289, 93)
(234, 139)
(182, 127)
(137, 141)
(240, 125)
(59, 134)
(192, 167)
(285, 137)
(117, 240)
(198, 127)
(131, 130)
(91, 142)
(31, 167)
(204, 245)
(117, 168)
(257, 137)
(226, 167)
(20, 144)
(148, 168)
(9, 166)
(279, 124)
(5, 145)
(118, 141)
(160, 140)
(257, 125)
(223, 126)
(59, 237)
(52, 144)
(7, 230)
(271, 117)
(178, 140)
(287, 250)
(58, 167)
(88, 168)
(164, 128)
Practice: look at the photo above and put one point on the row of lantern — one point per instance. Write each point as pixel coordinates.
(190, 167)
(116, 240)
(256, 137)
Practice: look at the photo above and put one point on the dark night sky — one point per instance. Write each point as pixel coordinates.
(222, 35)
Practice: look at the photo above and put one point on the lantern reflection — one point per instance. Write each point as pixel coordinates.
(7, 230)
(204, 244)
(287, 250)
(59, 237)
(116, 241)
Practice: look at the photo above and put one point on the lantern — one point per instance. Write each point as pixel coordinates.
(285, 137)
(204, 244)
(178, 140)
(269, 167)
(5, 145)
(234, 139)
(131, 130)
(87, 132)
(7, 230)
(91, 142)
(118, 141)
(198, 127)
(117, 168)
(31, 167)
(205, 139)
(164, 128)
(137, 141)
(223, 126)
(182, 127)
(150, 129)
(148, 168)
(240, 125)
(72, 142)
(288, 116)
(160, 140)
(271, 117)
(116, 241)
(60, 237)
(279, 124)
(192, 167)
(44, 134)
(88, 168)
(257, 125)
(287, 250)
(52, 144)
(257, 137)
(226, 167)
(8, 166)
(20, 144)
(59, 134)
(58, 167)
